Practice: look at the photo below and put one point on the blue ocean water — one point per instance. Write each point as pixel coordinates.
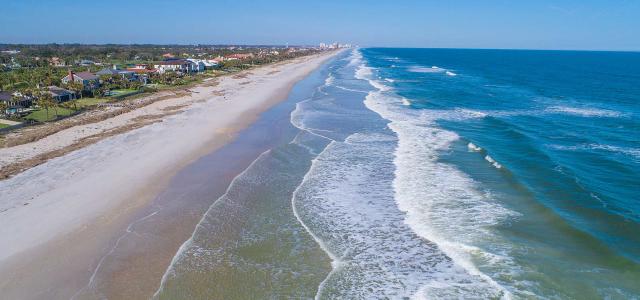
(541, 152)
(436, 174)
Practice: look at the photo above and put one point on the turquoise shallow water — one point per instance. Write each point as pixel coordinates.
(436, 174)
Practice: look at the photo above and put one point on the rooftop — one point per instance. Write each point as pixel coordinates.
(85, 75)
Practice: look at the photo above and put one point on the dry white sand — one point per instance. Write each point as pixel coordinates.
(101, 181)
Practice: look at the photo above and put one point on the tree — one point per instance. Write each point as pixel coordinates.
(102, 90)
(46, 101)
(135, 84)
(76, 87)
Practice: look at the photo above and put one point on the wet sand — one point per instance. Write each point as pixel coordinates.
(123, 243)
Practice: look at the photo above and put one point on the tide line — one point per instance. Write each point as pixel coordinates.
(113, 249)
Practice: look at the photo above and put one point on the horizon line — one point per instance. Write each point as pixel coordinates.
(313, 45)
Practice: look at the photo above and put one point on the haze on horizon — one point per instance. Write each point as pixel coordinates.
(545, 24)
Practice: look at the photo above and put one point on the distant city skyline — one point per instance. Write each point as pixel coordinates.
(497, 24)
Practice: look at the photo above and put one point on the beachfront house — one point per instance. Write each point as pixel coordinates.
(60, 95)
(175, 65)
(139, 67)
(14, 102)
(199, 64)
(125, 74)
(89, 80)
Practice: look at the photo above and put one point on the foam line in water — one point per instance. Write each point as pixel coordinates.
(493, 162)
(296, 120)
(584, 111)
(296, 141)
(350, 90)
(335, 260)
(633, 152)
(329, 80)
(418, 69)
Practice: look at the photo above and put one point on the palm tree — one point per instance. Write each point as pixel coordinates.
(76, 87)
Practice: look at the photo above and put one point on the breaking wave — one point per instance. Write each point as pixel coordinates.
(441, 203)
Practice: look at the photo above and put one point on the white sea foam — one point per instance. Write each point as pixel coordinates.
(449, 73)
(406, 101)
(468, 113)
(395, 58)
(441, 203)
(364, 72)
(457, 114)
(389, 80)
(350, 210)
(434, 69)
(350, 90)
(329, 80)
(633, 152)
(473, 148)
(355, 58)
(379, 85)
(493, 162)
(584, 111)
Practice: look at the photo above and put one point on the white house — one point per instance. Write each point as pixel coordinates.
(175, 65)
(199, 64)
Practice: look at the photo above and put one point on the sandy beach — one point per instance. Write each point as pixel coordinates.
(92, 182)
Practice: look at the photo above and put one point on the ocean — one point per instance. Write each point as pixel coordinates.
(435, 173)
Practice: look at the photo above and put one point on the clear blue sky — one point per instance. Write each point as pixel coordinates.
(543, 24)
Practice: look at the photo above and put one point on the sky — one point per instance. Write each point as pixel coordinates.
(542, 24)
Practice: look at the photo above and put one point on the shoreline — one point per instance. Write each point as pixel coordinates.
(96, 203)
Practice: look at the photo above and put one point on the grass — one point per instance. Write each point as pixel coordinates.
(41, 115)
(86, 102)
(123, 92)
(3, 125)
